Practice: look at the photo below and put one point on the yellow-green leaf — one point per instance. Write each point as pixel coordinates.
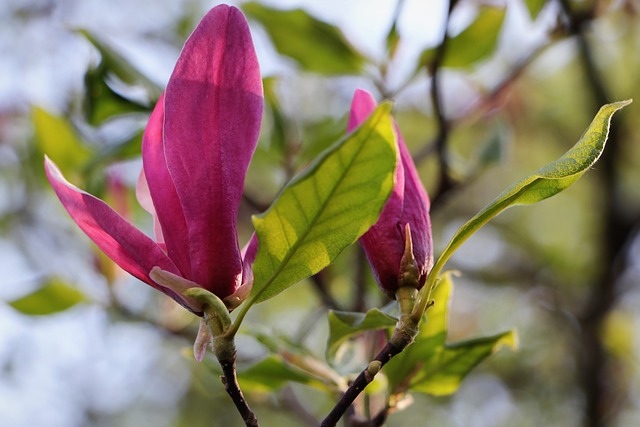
(344, 325)
(315, 45)
(534, 7)
(442, 373)
(53, 297)
(541, 184)
(57, 138)
(326, 208)
(475, 43)
(432, 366)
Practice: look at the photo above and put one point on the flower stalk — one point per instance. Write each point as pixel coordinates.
(218, 325)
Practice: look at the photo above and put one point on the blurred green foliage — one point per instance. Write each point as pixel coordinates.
(563, 272)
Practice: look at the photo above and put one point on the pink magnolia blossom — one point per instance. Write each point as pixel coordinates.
(196, 150)
(384, 243)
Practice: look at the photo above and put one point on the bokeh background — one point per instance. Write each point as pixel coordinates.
(510, 88)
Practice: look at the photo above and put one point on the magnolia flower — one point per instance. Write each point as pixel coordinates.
(406, 213)
(195, 151)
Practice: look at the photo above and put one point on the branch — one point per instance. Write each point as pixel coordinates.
(290, 400)
(403, 335)
(320, 285)
(442, 137)
(365, 377)
(437, 144)
(230, 382)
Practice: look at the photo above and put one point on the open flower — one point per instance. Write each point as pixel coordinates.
(196, 150)
(407, 210)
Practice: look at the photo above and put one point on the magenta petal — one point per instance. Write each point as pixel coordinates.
(383, 243)
(213, 109)
(362, 106)
(123, 243)
(416, 212)
(166, 203)
(408, 204)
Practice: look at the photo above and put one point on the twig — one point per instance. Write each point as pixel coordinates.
(442, 137)
(359, 303)
(354, 390)
(320, 285)
(230, 382)
(291, 401)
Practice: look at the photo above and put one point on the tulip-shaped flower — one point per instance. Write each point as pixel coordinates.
(405, 214)
(196, 150)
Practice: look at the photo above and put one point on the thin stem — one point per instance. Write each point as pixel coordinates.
(230, 382)
(290, 400)
(320, 285)
(360, 288)
(438, 107)
(403, 335)
(354, 390)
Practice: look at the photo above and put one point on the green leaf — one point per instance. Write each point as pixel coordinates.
(442, 373)
(298, 361)
(57, 138)
(477, 42)
(125, 149)
(432, 335)
(344, 325)
(534, 7)
(430, 365)
(326, 208)
(542, 184)
(315, 45)
(121, 67)
(272, 373)
(279, 122)
(102, 101)
(53, 297)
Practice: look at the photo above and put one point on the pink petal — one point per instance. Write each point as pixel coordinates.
(213, 109)
(362, 106)
(383, 242)
(166, 206)
(127, 246)
(416, 212)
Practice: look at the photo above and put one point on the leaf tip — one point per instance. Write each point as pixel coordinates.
(385, 107)
(618, 105)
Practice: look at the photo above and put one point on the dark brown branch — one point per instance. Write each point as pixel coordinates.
(442, 137)
(320, 285)
(359, 385)
(493, 97)
(230, 382)
(359, 301)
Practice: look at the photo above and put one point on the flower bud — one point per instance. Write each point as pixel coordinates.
(404, 223)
